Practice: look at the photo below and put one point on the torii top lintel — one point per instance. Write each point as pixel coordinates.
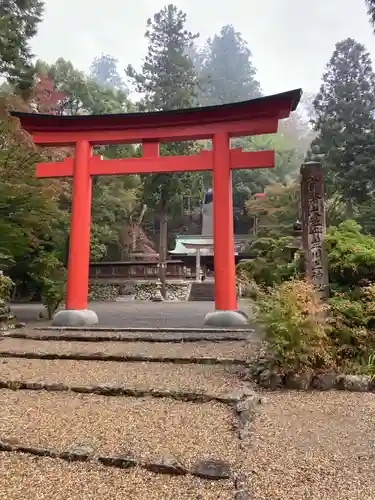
(253, 117)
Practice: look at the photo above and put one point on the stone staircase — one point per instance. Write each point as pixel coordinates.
(125, 413)
(202, 291)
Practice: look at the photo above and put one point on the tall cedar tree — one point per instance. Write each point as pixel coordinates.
(226, 71)
(19, 20)
(344, 121)
(168, 81)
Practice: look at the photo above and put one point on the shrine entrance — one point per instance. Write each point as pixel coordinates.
(218, 123)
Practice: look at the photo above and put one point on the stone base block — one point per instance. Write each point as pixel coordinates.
(225, 318)
(70, 317)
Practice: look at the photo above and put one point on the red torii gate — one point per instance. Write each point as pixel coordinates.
(219, 123)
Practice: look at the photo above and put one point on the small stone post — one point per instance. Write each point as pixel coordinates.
(314, 226)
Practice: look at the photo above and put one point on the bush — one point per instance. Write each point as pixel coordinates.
(352, 322)
(351, 256)
(248, 286)
(297, 333)
(295, 327)
(50, 274)
(274, 260)
(6, 285)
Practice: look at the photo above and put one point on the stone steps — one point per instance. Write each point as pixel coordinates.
(168, 407)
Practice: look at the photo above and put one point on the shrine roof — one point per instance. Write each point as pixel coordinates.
(275, 106)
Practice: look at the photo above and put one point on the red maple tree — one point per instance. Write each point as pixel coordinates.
(46, 99)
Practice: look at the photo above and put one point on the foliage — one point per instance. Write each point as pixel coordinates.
(277, 211)
(18, 25)
(225, 69)
(246, 183)
(5, 260)
(272, 261)
(371, 10)
(352, 323)
(44, 97)
(351, 259)
(365, 216)
(6, 285)
(351, 255)
(84, 95)
(249, 287)
(104, 71)
(371, 366)
(293, 319)
(5, 314)
(114, 200)
(50, 274)
(344, 121)
(29, 211)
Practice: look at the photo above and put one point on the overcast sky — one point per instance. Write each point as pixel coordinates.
(291, 40)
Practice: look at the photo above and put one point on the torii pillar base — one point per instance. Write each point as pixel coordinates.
(75, 317)
(226, 319)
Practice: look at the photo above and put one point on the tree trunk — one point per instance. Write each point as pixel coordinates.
(163, 242)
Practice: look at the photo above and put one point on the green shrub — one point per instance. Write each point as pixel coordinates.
(273, 261)
(351, 256)
(352, 323)
(371, 366)
(295, 327)
(6, 285)
(50, 274)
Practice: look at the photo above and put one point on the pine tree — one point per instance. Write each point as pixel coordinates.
(168, 78)
(168, 81)
(344, 109)
(227, 72)
(19, 20)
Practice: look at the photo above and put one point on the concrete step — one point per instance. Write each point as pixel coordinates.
(227, 352)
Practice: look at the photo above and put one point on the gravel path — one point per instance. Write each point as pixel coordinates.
(314, 446)
(216, 380)
(231, 350)
(30, 478)
(150, 428)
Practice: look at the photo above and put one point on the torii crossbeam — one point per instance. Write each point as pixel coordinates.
(218, 123)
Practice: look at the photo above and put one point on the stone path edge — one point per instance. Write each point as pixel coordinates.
(144, 329)
(126, 338)
(120, 359)
(112, 391)
(173, 468)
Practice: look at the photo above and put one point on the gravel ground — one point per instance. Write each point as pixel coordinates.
(150, 428)
(314, 446)
(212, 379)
(30, 478)
(235, 350)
